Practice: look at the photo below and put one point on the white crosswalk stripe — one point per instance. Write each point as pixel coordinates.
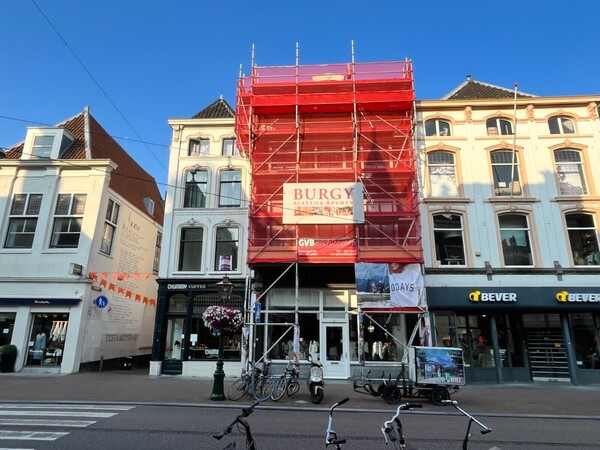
(32, 415)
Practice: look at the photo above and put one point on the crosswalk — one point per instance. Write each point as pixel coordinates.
(24, 422)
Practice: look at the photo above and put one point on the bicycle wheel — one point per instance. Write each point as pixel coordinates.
(280, 388)
(391, 394)
(263, 388)
(438, 395)
(238, 389)
(292, 387)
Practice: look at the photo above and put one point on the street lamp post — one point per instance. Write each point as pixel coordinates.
(224, 289)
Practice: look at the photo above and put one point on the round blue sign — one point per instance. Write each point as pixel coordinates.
(101, 302)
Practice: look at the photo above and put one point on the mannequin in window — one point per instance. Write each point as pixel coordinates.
(176, 353)
(313, 349)
(39, 345)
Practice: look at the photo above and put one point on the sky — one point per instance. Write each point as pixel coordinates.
(139, 63)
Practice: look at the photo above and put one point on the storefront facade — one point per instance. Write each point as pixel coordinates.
(520, 333)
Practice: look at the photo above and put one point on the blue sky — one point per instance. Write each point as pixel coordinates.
(149, 61)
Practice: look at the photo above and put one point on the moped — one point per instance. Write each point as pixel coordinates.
(315, 382)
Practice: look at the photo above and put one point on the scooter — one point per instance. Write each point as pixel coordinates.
(316, 384)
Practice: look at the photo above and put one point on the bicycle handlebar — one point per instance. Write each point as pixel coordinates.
(341, 402)
(402, 407)
(245, 413)
(485, 428)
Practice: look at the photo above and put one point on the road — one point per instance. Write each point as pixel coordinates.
(93, 426)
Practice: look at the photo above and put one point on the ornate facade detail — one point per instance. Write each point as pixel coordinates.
(592, 110)
(579, 206)
(469, 114)
(441, 145)
(447, 208)
(568, 142)
(512, 207)
(530, 110)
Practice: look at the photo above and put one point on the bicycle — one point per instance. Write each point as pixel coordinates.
(261, 389)
(485, 429)
(331, 437)
(243, 427)
(288, 382)
(396, 437)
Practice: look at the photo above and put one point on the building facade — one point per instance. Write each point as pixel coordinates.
(206, 225)
(81, 224)
(510, 213)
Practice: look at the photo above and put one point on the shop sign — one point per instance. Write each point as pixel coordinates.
(579, 297)
(40, 301)
(327, 247)
(184, 286)
(478, 296)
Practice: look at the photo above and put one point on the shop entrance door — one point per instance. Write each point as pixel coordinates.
(547, 355)
(334, 353)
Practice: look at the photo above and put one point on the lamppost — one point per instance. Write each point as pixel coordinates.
(224, 289)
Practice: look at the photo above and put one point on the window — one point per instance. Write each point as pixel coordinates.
(42, 146)
(199, 147)
(67, 221)
(583, 239)
(586, 339)
(561, 125)
(226, 249)
(442, 174)
(195, 189)
(448, 237)
(505, 171)
(157, 249)
(149, 204)
(190, 249)
(230, 192)
(437, 128)
(110, 225)
(516, 247)
(23, 220)
(569, 169)
(229, 148)
(497, 125)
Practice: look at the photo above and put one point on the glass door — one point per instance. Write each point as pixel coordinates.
(334, 352)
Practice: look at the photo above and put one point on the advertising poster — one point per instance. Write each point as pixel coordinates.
(437, 365)
(392, 286)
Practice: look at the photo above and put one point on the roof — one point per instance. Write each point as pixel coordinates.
(474, 90)
(218, 109)
(129, 179)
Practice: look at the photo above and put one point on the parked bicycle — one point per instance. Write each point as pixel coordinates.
(396, 436)
(331, 437)
(254, 382)
(484, 429)
(244, 428)
(288, 383)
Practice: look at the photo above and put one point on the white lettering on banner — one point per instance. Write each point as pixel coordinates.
(477, 296)
(582, 297)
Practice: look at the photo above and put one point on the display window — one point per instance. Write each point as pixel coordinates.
(472, 333)
(585, 328)
(383, 337)
(7, 323)
(47, 339)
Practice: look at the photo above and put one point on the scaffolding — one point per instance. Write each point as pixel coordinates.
(311, 125)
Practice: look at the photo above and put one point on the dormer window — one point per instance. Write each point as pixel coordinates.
(46, 143)
(149, 204)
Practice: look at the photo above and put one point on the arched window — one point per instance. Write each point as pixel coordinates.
(505, 172)
(195, 189)
(516, 246)
(561, 125)
(583, 238)
(448, 237)
(436, 127)
(497, 125)
(569, 171)
(199, 147)
(442, 174)
(190, 249)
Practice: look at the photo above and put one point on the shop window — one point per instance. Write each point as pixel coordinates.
(190, 249)
(47, 339)
(442, 174)
(68, 217)
(583, 239)
(377, 344)
(226, 249)
(22, 221)
(448, 237)
(230, 148)
(505, 173)
(7, 324)
(230, 188)
(510, 339)
(498, 126)
(471, 333)
(195, 189)
(516, 246)
(110, 225)
(570, 173)
(586, 339)
(174, 341)
(561, 125)
(203, 345)
(157, 250)
(437, 127)
(280, 334)
(199, 147)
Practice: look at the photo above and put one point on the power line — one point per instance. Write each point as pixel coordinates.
(97, 83)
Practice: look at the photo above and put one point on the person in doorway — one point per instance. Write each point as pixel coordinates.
(481, 349)
(39, 346)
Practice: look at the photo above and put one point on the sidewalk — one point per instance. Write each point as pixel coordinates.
(136, 386)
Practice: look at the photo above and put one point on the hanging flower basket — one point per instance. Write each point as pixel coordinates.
(222, 319)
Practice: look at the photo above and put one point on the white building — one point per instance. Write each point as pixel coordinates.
(80, 231)
(205, 239)
(510, 213)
